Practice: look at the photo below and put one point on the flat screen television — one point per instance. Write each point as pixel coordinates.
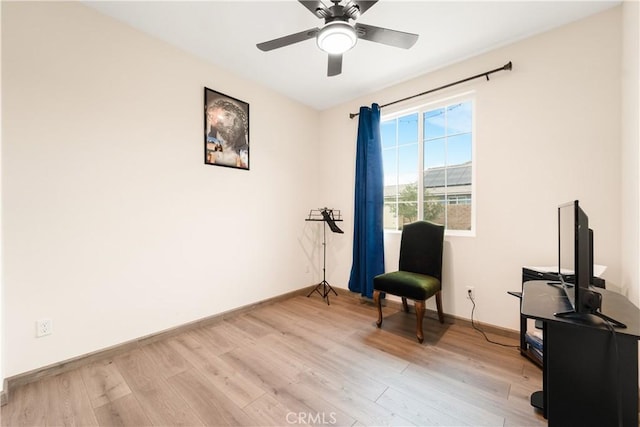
(573, 252)
(575, 262)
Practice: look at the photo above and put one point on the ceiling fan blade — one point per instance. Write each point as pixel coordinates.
(288, 40)
(316, 7)
(335, 65)
(361, 6)
(386, 36)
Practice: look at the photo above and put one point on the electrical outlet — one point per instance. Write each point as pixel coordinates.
(471, 292)
(44, 327)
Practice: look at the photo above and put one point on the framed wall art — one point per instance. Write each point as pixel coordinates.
(226, 130)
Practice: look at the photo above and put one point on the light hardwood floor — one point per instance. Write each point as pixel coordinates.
(297, 361)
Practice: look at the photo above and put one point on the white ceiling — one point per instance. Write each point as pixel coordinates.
(226, 32)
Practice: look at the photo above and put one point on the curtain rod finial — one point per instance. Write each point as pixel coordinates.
(352, 115)
(508, 66)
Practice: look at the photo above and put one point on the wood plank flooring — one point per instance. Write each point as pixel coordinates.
(297, 361)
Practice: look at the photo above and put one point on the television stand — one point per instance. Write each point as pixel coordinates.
(580, 362)
(556, 284)
(593, 307)
(528, 274)
(582, 316)
(611, 320)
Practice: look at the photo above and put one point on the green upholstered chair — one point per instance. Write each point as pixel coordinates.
(420, 271)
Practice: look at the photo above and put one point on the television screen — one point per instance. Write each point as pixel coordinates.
(574, 253)
(567, 248)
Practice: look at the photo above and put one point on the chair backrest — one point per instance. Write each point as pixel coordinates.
(421, 248)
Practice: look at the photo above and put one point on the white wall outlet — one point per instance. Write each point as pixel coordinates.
(471, 292)
(44, 327)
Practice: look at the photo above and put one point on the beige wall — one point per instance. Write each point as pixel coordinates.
(630, 161)
(2, 346)
(547, 132)
(112, 225)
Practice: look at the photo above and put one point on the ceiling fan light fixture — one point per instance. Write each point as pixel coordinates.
(337, 37)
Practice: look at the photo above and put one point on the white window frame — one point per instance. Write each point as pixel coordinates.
(421, 108)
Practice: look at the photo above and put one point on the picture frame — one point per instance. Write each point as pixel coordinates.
(226, 130)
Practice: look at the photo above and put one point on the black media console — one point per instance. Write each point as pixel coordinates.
(590, 373)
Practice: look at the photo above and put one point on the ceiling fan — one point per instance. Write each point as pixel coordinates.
(338, 35)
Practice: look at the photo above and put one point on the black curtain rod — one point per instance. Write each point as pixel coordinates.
(486, 74)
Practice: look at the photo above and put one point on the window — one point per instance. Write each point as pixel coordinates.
(427, 155)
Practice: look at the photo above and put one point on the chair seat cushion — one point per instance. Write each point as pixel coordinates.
(410, 285)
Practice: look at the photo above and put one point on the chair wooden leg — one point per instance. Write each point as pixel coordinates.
(419, 318)
(439, 306)
(405, 305)
(378, 303)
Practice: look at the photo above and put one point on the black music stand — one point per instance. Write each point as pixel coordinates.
(329, 217)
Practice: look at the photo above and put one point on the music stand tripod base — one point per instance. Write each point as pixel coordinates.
(326, 288)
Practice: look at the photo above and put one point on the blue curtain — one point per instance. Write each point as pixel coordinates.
(368, 244)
